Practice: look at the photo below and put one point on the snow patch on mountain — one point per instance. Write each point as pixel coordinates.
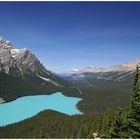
(75, 70)
(50, 81)
(17, 52)
(124, 76)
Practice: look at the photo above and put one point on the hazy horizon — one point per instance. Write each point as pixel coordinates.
(67, 35)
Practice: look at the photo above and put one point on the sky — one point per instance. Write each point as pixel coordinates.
(67, 35)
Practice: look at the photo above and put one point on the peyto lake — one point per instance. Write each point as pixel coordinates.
(28, 106)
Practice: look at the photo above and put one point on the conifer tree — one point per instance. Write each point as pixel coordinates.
(135, 103)
(134, 114)
(127, 122)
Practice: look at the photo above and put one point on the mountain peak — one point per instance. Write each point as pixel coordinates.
(6, 44)
(18, 62)
(2, 39)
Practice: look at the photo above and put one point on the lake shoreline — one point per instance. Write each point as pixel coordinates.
(29, 106)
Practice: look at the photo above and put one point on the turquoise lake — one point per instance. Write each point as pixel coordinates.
(28, 106)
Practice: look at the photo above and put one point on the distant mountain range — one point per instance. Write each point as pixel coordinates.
(122, 67)
(116, 73)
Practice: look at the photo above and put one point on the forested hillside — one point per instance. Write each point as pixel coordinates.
(50, 124)
(126, 123)
(105, 94)
(118, 123)
(13, 87)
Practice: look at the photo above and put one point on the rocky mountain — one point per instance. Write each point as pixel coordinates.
(123, 67)
(24, 64)
(116, 73)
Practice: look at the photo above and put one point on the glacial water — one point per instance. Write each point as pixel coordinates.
(28, 106)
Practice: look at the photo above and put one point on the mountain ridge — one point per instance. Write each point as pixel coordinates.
(116, 72)
(129, 66)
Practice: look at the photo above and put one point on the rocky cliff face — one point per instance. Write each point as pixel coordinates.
(6, 60)
(22, 63)
(19, 62)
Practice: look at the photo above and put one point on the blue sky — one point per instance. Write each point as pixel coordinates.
(66, 35)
